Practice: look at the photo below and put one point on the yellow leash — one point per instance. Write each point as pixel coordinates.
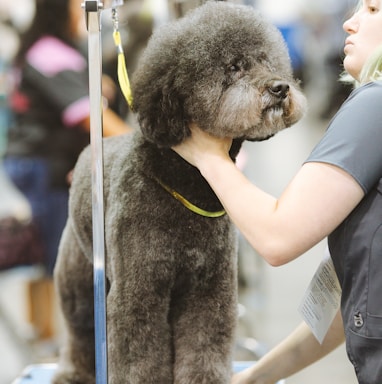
(123, 77)
(189, 205)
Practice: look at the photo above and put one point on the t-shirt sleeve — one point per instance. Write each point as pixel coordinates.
(353, 140)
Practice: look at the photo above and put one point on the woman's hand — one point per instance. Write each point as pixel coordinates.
(201, 147)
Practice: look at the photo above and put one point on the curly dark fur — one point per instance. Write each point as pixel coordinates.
(172, 274)
(215, 72)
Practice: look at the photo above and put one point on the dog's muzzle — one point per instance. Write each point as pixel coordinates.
(279, 89)
(276, 95)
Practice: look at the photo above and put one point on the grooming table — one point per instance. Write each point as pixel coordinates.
(36, 374)
(43, 373)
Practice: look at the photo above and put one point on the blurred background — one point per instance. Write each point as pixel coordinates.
(30, 324)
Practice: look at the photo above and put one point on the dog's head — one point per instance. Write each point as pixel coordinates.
(222, 66)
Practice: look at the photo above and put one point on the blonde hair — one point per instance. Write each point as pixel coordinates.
(372, 69)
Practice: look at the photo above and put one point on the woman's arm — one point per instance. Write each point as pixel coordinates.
(112, 124)
(315, 202)
(299, 350)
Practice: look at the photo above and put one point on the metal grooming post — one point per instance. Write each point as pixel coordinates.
(93, 15)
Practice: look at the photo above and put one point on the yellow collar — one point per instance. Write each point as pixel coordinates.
(189, 205)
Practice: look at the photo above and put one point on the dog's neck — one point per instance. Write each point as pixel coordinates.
(181, 179)
(188, 204)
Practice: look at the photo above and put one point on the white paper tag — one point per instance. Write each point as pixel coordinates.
(322, 299)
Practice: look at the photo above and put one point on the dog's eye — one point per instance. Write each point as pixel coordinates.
(234, 68)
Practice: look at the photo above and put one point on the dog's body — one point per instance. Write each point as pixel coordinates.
(171, 271)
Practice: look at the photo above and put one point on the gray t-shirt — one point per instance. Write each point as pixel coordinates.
(353, 140)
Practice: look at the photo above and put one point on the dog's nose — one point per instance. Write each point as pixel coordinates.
(279, 89)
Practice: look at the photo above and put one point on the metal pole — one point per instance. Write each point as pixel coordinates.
(92, 10)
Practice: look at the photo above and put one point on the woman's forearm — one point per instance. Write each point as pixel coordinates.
(112, 124)
(299, 350)
(239, 196)
(314, 204)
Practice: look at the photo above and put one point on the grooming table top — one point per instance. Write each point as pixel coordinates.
(36, 374)
(43, 373)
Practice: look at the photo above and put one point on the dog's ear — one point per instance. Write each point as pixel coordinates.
(159, 105)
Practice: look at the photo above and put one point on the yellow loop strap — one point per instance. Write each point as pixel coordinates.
(189, 205)
(123, 77)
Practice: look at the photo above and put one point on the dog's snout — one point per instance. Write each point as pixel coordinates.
(279, 89)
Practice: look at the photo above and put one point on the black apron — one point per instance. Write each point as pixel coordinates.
(356, 249)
